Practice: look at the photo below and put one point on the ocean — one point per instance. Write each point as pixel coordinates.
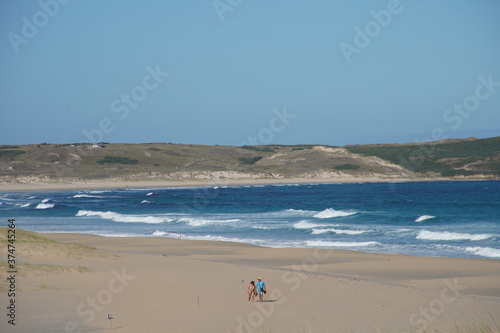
(443, 219)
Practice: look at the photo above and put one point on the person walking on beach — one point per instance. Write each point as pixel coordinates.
(261, 289)
(251, 291)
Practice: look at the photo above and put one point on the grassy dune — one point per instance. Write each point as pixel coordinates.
(30, 246)
(45, 163)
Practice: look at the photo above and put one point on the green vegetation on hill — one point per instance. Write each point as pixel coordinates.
(479, 158)
(250, 160)
(118, 159)
(259, 148)
(462, 157)
(347, 166)
(10, 153)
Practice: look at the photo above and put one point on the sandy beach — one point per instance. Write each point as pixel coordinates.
(172, 285)
(156, 157)
(36, 186)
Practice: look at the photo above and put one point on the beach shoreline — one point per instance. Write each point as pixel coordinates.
(199, 286)
(18, 187)
(74, 282)
(308, 230)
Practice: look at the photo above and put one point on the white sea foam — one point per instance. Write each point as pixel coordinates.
(45, 206)
(450, 236)
(99, 233)
(264, 228)
(296, 212)
(424, 217)
(330, 212)
(118, 234)
(307, 225)
(22, 205)
(45, 200)
(339, 244)
(145, 201)
(87, 196)
(484, 251)
(337, 231)
(98, 191)
(285, 213)
(196, 222)
(150, 193)
(227, 239)
(159, 233)
(117, 217)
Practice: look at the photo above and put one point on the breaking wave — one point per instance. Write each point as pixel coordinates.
(484, 251)
(45, 204)
(117, 217)
(196, 222)
(330, 212)
(450, 236)
(424, 217)
(339, 244)
(337, 231)
(307, 225)
(159, 233)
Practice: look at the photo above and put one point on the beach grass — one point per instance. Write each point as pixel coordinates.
(28, 243)
(25, 269)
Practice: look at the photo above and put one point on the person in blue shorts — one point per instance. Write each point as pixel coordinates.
(261, 288)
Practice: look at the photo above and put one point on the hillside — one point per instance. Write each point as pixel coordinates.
(448, 158)
(56, 163)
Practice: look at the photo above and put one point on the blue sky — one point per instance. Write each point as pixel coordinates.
(234, 72)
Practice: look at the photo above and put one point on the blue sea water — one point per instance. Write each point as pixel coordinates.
(446, 219)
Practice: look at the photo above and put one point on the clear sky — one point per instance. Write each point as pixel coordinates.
(234, 72)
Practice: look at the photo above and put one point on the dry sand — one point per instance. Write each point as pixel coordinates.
(170, 285)
(15, 187)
